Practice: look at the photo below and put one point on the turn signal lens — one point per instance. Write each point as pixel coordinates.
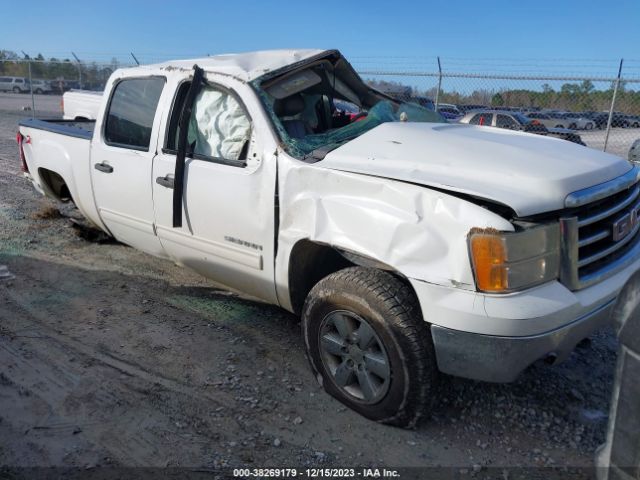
(509, 261)
(489, 257)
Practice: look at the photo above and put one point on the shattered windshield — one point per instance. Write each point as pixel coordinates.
(322, 106)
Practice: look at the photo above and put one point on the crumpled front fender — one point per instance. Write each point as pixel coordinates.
(419, 232)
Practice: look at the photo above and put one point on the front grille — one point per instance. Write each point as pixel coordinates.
(601, 238)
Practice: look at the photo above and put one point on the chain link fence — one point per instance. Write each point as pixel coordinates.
(36, 85)
(602, 111)
(599, 102)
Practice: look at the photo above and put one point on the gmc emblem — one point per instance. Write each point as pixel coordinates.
(624, 225)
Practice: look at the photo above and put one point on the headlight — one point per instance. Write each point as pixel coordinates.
(507, 261)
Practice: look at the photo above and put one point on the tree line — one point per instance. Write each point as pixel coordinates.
(581, 96)
(571, 96)
(91, 74)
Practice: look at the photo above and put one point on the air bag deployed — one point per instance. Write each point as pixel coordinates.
(219, 125)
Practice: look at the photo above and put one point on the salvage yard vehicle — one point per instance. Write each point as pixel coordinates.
(549, 120)
(14, 84)
(81, 104)
(40, 86)
(408, 246)
(618, 120)
(579, 122)
(517, 121)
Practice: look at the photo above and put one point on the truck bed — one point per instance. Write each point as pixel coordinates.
(72, 128)
(58, 153)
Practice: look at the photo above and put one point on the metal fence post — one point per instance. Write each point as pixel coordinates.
(613, 102)
(439, 84)
(33, 102)
(79, 69)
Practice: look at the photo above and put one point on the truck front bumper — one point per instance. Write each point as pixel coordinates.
(493, 358)
(494, 337)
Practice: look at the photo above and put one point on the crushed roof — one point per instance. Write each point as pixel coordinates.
(245, 66)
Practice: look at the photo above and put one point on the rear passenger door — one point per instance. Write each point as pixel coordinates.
(122, 154)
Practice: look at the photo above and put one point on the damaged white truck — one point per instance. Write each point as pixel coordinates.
(408, 246)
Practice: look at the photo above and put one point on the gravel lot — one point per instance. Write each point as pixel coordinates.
(110, 357)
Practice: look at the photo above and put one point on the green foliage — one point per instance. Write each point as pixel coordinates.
(92, 74)
(497, 100)
(576, 97)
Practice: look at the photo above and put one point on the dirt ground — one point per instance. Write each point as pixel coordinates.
(110, 357)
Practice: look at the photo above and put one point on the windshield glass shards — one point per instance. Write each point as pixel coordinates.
(321, 106)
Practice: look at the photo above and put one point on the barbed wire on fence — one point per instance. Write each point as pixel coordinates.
(591, 92)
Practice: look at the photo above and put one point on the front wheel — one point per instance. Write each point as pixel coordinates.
(16, 90)
(588, 126)
(369, 345)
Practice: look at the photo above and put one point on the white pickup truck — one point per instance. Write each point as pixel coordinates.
(408, 246)
(81, 104)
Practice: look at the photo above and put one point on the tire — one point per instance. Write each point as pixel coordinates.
(39, 91)
(16, 90)
(372, 333)
(588, 126)
(559, 126)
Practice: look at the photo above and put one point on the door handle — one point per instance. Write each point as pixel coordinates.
(166, 181)
(104, 167)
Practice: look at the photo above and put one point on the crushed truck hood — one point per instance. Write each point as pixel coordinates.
(530, 173)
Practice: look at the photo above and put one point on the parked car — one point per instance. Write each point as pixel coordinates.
(634, 152)
(578, 121)
(467, 108)
(41, 86)
(507, 109)
(60, 85)
(549, 120)
(425, 102)
(449, 111)
(634, 120)
(517, 121)
(14, 84)
(408, 247)
(618, 120)
(72, 85)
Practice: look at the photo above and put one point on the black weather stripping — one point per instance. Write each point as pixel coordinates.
(196, 85)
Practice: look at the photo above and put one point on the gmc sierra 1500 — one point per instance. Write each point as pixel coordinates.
(409, 246)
